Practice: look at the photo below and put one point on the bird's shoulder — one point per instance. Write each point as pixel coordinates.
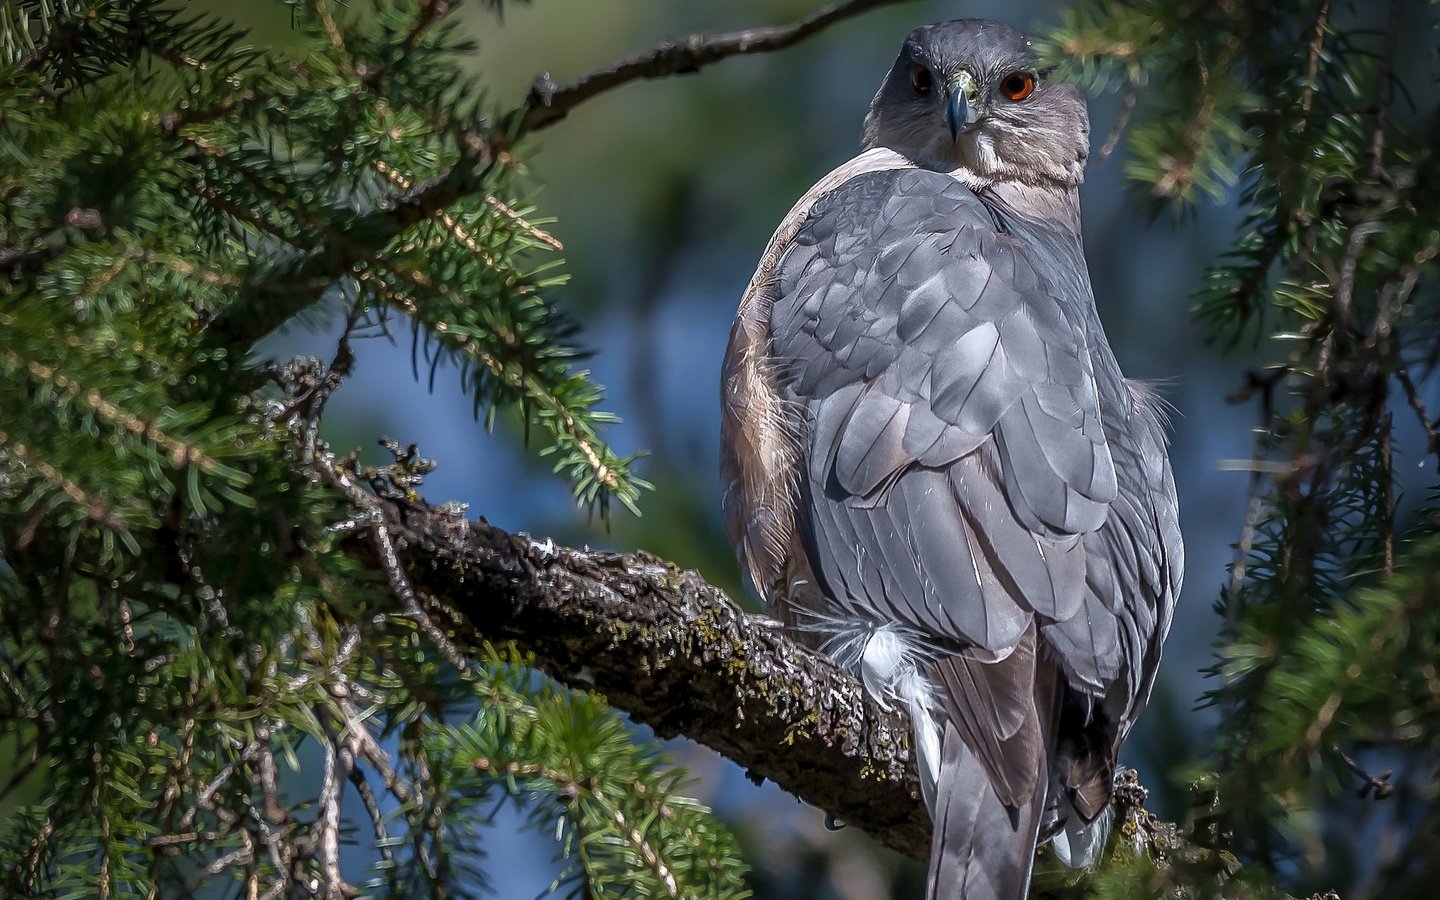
(905, 282)
(917, 258)
(895, 200)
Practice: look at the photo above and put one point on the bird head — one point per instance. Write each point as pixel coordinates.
(967, 94)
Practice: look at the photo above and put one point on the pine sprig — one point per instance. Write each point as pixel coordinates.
(179, 634)
(620, 815)
(290, 218)
(1338, 233)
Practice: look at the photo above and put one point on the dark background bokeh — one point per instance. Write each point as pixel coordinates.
(664, 194)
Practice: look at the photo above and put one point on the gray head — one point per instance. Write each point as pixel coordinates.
(967, 94)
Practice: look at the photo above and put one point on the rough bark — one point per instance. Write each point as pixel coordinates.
(678, 655)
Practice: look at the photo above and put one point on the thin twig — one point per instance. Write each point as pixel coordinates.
(429, 12)
(22, 771)
(1342, 282)
(181, 453)
(1387, 479)
(105, 877)
(1179, 175)
(14, 689)
(1312, 65)
(400, 584)
(338, 763)
(1127, 108)
(641, 845)
(280, 857)
(324, 462)
(335, 669)
(268, 777)
(368, 749)
(173, 121)
(1379, 785)
(1412, 395)
(528, 227)
(1234, 593)
(377, 818)
(36, 851)
(548, 103)
(419, 818)
(207, 794)
(95, 505)
(221, 863)
(1385, 91)
(332, 31)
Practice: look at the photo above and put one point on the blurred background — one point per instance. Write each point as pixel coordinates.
(664, 193)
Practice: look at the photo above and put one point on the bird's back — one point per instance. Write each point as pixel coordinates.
(962, 462)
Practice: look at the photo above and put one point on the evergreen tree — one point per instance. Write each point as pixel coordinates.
(1331, 611)
(179, 625)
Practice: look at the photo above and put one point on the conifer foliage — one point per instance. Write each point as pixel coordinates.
(198, 689)
(1331, 611)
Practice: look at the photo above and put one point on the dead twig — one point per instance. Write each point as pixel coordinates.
(1378, 786)
(1127, 108)
(548, 103)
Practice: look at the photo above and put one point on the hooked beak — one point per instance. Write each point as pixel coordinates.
(961, 104)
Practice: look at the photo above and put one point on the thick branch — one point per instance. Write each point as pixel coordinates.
(678, 655)
(548, 102)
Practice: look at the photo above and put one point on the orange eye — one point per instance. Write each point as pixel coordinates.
(920, 79)
(1017, 86)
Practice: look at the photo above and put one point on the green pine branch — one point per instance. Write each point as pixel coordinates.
(1330, 264)
(192, 669)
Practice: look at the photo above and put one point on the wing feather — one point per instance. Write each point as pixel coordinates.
(918, 340)
(959, 474)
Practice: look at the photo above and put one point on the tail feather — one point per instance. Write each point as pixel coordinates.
(982, 849)
(1077, 843)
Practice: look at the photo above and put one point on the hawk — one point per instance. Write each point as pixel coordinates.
(933, 467)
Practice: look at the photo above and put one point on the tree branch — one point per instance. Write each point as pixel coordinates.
(680, 656)
(366, 234)
(548, 103)
(677, 654)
